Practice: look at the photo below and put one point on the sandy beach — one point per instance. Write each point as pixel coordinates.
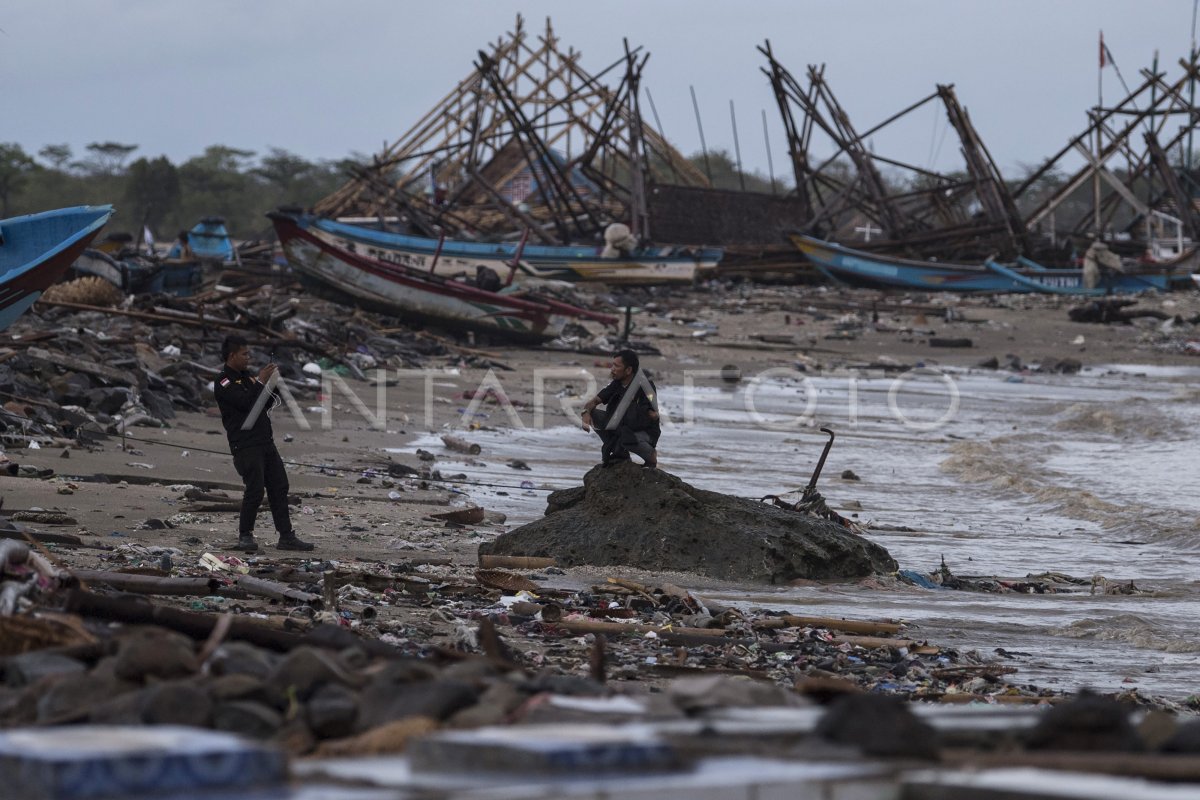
(125, 504)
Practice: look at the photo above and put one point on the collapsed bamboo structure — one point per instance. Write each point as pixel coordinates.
(911, 208)
(529, 140)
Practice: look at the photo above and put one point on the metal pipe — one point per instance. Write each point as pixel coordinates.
(812, 482)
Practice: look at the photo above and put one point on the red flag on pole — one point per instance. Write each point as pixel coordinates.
(1106, 56)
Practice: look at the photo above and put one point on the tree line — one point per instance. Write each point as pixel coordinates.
(239, 185)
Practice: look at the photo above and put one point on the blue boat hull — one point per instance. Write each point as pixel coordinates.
(857, 267)
(37, 249)
(651, 265)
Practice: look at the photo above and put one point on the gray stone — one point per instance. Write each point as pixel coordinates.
(332, 711)
(306, 669)
(247, 718)
(241, 687)
(493, 708)
(155, 653)
(73, 698)
(383, 701)
(1086, 723)
(30, 668)
(630, 516)
(878, 725)
(239, 658)
(108, 400)
(158, 404)
(175, 703)
(1186, 739)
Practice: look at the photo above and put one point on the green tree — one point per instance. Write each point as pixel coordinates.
(107, 158)
(152, 190)
(58, 155)
(15, 166)
(282, 170)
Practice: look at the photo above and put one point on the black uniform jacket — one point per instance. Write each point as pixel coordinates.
(637, 416)
(237, 393)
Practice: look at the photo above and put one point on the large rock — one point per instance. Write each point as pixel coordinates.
(627, 515)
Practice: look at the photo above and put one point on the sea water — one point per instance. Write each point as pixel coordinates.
(1091, 475)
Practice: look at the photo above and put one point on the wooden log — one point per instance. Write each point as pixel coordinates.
(515, 562)
(148, 584)
(874, 642)
(866, 627)
(275, 590)
(46, 538)
(592, 626)
(121, 377)
(197, 626)
(460, 445)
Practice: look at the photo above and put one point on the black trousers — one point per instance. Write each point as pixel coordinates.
(262, 468)
(619, 442)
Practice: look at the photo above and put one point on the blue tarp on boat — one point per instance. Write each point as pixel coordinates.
(209, 241)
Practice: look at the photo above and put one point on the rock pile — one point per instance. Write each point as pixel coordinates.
(628, 515)
(71, 371)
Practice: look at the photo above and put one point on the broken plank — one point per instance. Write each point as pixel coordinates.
(122, 377)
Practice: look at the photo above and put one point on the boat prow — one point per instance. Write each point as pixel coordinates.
(37, 249)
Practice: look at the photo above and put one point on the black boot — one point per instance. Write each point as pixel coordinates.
(246, 543)
(290, 541)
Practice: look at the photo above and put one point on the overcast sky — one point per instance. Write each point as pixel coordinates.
(324, 79)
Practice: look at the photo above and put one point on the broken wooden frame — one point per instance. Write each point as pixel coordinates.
(1132, 199)
(949, 214)
(527, 110)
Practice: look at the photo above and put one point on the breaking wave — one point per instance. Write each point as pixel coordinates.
(1129, 629)
(1136, 417)
(988, 462)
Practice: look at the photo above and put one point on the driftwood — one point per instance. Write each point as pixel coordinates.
(275, 590)
(120, 377)
(138, 611)
(515, 562)
(1108, 311)
(182, 586)
(590, 626)
(829, 623)
(197, 626)
(39, 536)
(460, 445)
(149, 584)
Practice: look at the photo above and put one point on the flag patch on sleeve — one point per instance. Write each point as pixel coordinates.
(224, 381)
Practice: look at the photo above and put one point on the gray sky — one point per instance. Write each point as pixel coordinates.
(323, 79)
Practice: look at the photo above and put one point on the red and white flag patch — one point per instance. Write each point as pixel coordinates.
(224, 381)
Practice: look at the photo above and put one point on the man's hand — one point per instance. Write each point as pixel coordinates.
(587, 421)
(266, 372)
(652, 414)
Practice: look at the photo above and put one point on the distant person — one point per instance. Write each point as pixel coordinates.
(487, 278)
(185, 248)
(252, 444)
(636, 429)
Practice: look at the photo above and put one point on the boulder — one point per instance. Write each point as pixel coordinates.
(631, 516)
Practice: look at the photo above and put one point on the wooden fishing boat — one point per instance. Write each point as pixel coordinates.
(847, 265)
(449, 257)
(362, 280)
(37, 249)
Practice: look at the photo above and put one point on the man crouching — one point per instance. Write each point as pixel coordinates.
(629, 421)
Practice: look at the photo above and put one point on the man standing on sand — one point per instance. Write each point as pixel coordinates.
(252, 444)
(629, 421)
